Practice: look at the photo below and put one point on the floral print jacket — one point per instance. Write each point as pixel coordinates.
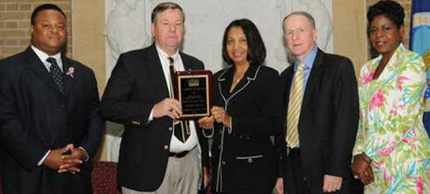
(391, 130)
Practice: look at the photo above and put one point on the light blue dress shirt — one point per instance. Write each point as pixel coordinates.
(309, 62)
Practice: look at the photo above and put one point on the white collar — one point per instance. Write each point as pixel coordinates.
(165, 55)
(43, 56)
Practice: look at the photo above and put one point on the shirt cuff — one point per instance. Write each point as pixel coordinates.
(150, 118)
(44, 158)
(231, 126)
(211, 134)
(86, 153)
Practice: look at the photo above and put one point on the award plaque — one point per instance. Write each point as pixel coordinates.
(193, 89)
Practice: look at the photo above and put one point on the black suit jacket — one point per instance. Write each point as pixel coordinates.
(244, 158)
(328, 121)
(137, 83)
(35, 117)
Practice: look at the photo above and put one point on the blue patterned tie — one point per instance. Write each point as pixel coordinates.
(56, 73)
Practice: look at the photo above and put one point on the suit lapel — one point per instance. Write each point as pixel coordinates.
(157, 74)
(250, 75)
(313, 79)
(224, 81)
(188, 65)
(287, 81)
(39, 69)
(69, 75)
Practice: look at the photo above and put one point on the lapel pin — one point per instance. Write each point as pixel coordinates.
(70, 71)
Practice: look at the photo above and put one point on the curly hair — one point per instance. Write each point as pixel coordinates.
(388, 8)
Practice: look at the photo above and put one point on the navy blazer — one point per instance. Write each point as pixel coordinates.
(328, 121)
(137, 83)
(35, 117)
(244, 157)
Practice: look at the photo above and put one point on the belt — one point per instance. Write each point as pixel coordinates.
(178, 155)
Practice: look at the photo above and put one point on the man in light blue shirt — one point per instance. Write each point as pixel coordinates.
(321, 114)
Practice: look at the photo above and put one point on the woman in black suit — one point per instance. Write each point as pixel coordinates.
(246, 113)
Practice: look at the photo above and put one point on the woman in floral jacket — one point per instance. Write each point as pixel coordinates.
(392, 150)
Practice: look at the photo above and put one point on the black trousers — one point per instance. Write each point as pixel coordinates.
(295, 182)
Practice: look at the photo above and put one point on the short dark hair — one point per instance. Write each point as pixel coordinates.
(45, 7)
(164, 6)
(256, 49)
(388, 8)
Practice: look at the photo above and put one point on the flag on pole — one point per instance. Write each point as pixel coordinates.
(420, 43)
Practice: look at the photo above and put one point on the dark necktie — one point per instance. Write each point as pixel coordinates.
(56, 73)
(181, 128)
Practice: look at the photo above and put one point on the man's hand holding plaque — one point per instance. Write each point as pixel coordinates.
(168, 107)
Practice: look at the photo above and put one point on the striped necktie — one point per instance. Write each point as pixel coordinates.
(294, 107)
(181, 127)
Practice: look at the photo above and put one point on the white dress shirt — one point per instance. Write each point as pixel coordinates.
(43, 56)
(176, 146)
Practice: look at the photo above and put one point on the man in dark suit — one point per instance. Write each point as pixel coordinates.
(138, 95)
(49, 124)
(321, 114)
